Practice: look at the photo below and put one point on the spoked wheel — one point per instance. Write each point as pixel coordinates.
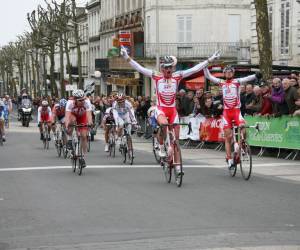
(112, 147)
(59, 148)
(74, 161)
(155, 149)
(178, 175)
(167, 171)
(124, 153)
(232, 170)
(65, 151)
(130, 150)
(89, 143)
(245, 160)
(79, 168)
(1, 139)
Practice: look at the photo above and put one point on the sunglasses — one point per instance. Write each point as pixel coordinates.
(80, 100)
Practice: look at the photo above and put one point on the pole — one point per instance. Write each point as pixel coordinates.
(157, 36)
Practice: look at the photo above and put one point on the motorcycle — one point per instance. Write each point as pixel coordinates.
(25, 113)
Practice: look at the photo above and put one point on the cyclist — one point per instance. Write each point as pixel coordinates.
(58, 113)
(231, 103)
(166, 85)
(44, 115)
(123, 112)
(108, 119)
(78, 111)
(2, 119)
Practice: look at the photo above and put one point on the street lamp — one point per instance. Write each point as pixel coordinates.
(97, 75)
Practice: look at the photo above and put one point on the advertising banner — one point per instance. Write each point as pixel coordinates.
(282, 132)
(211, 130)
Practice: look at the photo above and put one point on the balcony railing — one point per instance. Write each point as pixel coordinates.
(198, 50)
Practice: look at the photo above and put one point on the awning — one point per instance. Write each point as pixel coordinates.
(198, 82)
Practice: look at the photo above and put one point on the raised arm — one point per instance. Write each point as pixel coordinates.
(210, 77)
(200, 66)
(135, 65)
(247, 79)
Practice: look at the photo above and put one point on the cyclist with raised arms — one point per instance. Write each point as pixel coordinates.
(166, 86)
(232, 104)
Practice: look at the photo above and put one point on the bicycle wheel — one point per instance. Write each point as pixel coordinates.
(245, 161)
(232, 170)
(1, 139)
(74, 160)
(65, 151)
(79, 169)
(47, 140)
(130, 150)
(155, 149)
(178, 176)
(89, 143)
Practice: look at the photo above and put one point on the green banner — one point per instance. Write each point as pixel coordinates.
(282, 132)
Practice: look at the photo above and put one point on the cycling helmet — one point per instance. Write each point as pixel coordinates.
(168, 61)
(228, 68)
(45, 103)
(63, 102)
(120, 97)
(78, 94)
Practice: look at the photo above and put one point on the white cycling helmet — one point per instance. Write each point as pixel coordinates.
(120, 97)
(78, 94)
(45, 103)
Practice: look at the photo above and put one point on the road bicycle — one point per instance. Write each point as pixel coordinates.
(46, 134)
(172, 148)
(77, 159)
(112, 139)
(60, 141)
(242, 155)
(126, 146)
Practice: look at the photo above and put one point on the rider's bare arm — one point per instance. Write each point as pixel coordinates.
(247, 79)
(210, 77)
(195, 69)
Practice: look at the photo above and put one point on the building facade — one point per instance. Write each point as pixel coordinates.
(284, 23)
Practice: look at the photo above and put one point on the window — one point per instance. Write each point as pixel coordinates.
(234, 24)
(184, 29)
(284, 27)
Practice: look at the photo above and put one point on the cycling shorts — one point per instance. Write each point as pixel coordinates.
(169, 112)
(232, 115)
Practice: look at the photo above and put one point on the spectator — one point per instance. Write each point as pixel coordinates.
(277, 97)
(291, 95)
(256, 105)
(294, 83)
(297, 112)
(188, 104)
(200, 96)
(249, 98)
(197, 107)
(266, 102)
(207, 110)
(179, 102)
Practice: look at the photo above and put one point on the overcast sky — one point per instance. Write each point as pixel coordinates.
(13, 19)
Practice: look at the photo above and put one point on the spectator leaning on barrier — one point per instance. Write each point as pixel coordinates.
(243, 98)
(266, 102)
(200, 95)
(256, 105)
(291, 95)
(277, 97)
(188, 104)
(249, 98)
(197, 107)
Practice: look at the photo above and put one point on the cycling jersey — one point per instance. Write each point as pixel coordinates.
(80, 112)
(108, 117)
(44, 114)
(124, 111)
(58, 111)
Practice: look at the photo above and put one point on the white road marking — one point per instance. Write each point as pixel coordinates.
(127, 167)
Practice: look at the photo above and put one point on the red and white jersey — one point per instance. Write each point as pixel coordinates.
(44, 114)
(166, 89)
(78, 110)
(231, 94)
(58, 111)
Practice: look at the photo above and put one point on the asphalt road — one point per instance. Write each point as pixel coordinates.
(43, 205)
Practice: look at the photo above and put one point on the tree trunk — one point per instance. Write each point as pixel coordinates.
(62, 72)
(21, 83)
(77, 40)
(45, 75)
(54, 90)
(33, 74)
(68, 58)
(264, 39)
(38, 79)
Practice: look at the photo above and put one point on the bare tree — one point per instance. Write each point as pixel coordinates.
(264, 39)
